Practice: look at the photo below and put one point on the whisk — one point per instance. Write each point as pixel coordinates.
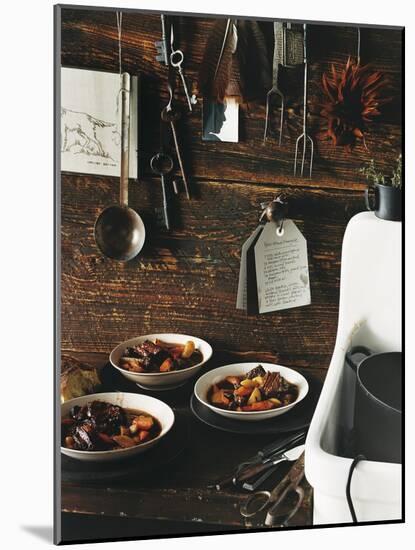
(305, 137)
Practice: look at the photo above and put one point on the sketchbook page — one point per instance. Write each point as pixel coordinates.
(90, 122)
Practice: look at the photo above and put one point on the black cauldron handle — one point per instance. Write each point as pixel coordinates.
(370, 204)
(356, 349)
(353, 465)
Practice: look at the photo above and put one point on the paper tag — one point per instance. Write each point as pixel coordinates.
(241, 299)
(282, 268)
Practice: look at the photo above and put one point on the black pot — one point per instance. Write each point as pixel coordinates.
(386, 202)
(378, 405)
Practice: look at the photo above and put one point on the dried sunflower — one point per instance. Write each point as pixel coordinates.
(353, 97)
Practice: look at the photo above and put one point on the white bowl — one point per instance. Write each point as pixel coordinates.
(214, 376)
(161, 380)
(159, 410)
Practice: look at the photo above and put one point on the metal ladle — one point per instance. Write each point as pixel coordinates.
(119, 231)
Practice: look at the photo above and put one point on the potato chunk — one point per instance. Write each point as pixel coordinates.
(219, 398)
(189, 348)
(248, 383)
(143, 422)
(276, 401)
(254, 397)
(132, 364)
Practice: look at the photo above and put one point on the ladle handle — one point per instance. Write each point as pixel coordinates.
(125, 137)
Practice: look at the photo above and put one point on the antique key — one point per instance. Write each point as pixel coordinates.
(170, 115)
(162, 164)
(161, 45)
(176, 60)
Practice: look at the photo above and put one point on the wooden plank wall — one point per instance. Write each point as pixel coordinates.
(186, 280)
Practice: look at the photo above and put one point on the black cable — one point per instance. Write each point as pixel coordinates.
(353, 465)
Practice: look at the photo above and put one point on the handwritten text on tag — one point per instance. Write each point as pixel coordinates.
(282, 268)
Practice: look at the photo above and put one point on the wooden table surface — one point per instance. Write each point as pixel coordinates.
(180, 493)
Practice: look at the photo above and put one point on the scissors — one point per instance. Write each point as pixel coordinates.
(272, 500)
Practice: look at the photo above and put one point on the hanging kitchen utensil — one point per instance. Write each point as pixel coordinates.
(304, 137)
(288, 54)
(378, 405)
(119, 231)
(278, 60)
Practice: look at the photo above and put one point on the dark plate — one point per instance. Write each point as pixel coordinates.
(299, 417)
(169, 448)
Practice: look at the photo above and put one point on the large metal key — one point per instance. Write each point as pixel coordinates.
(170, 115)
(162, 164)
(176, 60)
(161, 45)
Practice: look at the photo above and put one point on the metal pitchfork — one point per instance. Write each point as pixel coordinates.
(304, 137)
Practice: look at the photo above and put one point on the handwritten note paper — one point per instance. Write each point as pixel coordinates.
(281, 268)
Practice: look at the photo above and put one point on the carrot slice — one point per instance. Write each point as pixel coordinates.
(259, 406)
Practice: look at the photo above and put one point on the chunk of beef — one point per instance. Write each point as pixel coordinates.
(108, 418)
(149, 348)
(132, 352)
(84, 436)
(272, 382)
(257, 371)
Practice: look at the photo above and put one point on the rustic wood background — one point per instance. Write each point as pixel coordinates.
(186, 281)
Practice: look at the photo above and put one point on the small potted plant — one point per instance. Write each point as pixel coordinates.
(386, 201)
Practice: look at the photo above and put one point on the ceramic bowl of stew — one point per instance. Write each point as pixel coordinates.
(213, 381)
(134, 405)
(155, 379)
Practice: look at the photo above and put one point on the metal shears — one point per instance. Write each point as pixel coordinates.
(272, 500)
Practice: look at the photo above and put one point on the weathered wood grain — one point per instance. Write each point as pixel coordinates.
(89, 40)
(187, 281)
